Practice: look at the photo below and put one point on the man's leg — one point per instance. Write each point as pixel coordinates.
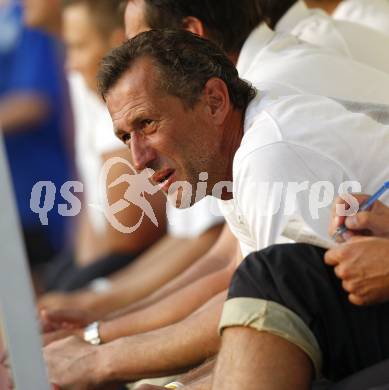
(253, 360)
(288, 291)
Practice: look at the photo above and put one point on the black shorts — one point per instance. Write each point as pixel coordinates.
(288, 290)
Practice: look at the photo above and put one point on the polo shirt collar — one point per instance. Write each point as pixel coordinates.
(298, 12)
(257, 41)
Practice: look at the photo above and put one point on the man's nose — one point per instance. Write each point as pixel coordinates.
(142, 154)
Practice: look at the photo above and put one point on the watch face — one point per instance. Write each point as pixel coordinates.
(91, 334)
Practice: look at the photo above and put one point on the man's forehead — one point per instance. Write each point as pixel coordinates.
(141, 75)
(136, 85)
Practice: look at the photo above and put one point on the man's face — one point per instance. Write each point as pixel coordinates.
(134, 18)
(178, 143)
(85, 44)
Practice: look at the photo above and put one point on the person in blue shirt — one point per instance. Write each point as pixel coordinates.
(34, 117)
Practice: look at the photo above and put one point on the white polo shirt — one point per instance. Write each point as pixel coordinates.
(370, 13)
(282, 63)
(305, 140)
(353, 40)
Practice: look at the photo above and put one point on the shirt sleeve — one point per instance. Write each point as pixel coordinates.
(266, 187)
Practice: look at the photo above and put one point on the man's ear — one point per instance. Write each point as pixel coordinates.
(217, 99)
(194, 25)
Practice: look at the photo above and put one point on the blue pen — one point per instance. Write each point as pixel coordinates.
(363, 207)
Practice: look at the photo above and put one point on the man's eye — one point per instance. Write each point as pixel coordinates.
(126, 137)
(147, 122)
(148, 126)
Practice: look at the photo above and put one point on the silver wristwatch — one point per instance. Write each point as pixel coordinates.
(91, 333)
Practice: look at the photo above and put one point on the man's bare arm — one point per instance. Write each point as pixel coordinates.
(165, 260)
(169, 310)
(223, 254)
(174, 307)
(168, 350)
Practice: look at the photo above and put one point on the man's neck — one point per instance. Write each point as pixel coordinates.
(232, 138)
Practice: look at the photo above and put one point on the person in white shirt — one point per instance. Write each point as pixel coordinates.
(299, 139)
(279, 51)
(316, 26)
(370, 13)
(224, 131)
(261, 59)
(288, 65)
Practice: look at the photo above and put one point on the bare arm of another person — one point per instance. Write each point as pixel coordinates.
(170, 309)
(162, 262)
(185, 298)
(225, 253)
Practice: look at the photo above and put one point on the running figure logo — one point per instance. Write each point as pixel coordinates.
(138, 185)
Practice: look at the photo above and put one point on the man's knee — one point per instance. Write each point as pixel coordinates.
(266, 294)
(252, 315)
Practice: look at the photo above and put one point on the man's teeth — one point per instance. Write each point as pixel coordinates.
(165, 178)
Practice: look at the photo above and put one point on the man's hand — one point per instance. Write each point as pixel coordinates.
(374, 222)
(362, 263)
(55, 320)
(74, 364)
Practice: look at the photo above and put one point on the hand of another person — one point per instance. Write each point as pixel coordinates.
(150, 387)
(373, 222)
(362, 263)
(55, 320)
(80, 300)
(56, 301)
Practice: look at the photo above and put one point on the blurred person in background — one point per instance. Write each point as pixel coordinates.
(370, 13)
(35, 121)
(314, 25)
(90, 29)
